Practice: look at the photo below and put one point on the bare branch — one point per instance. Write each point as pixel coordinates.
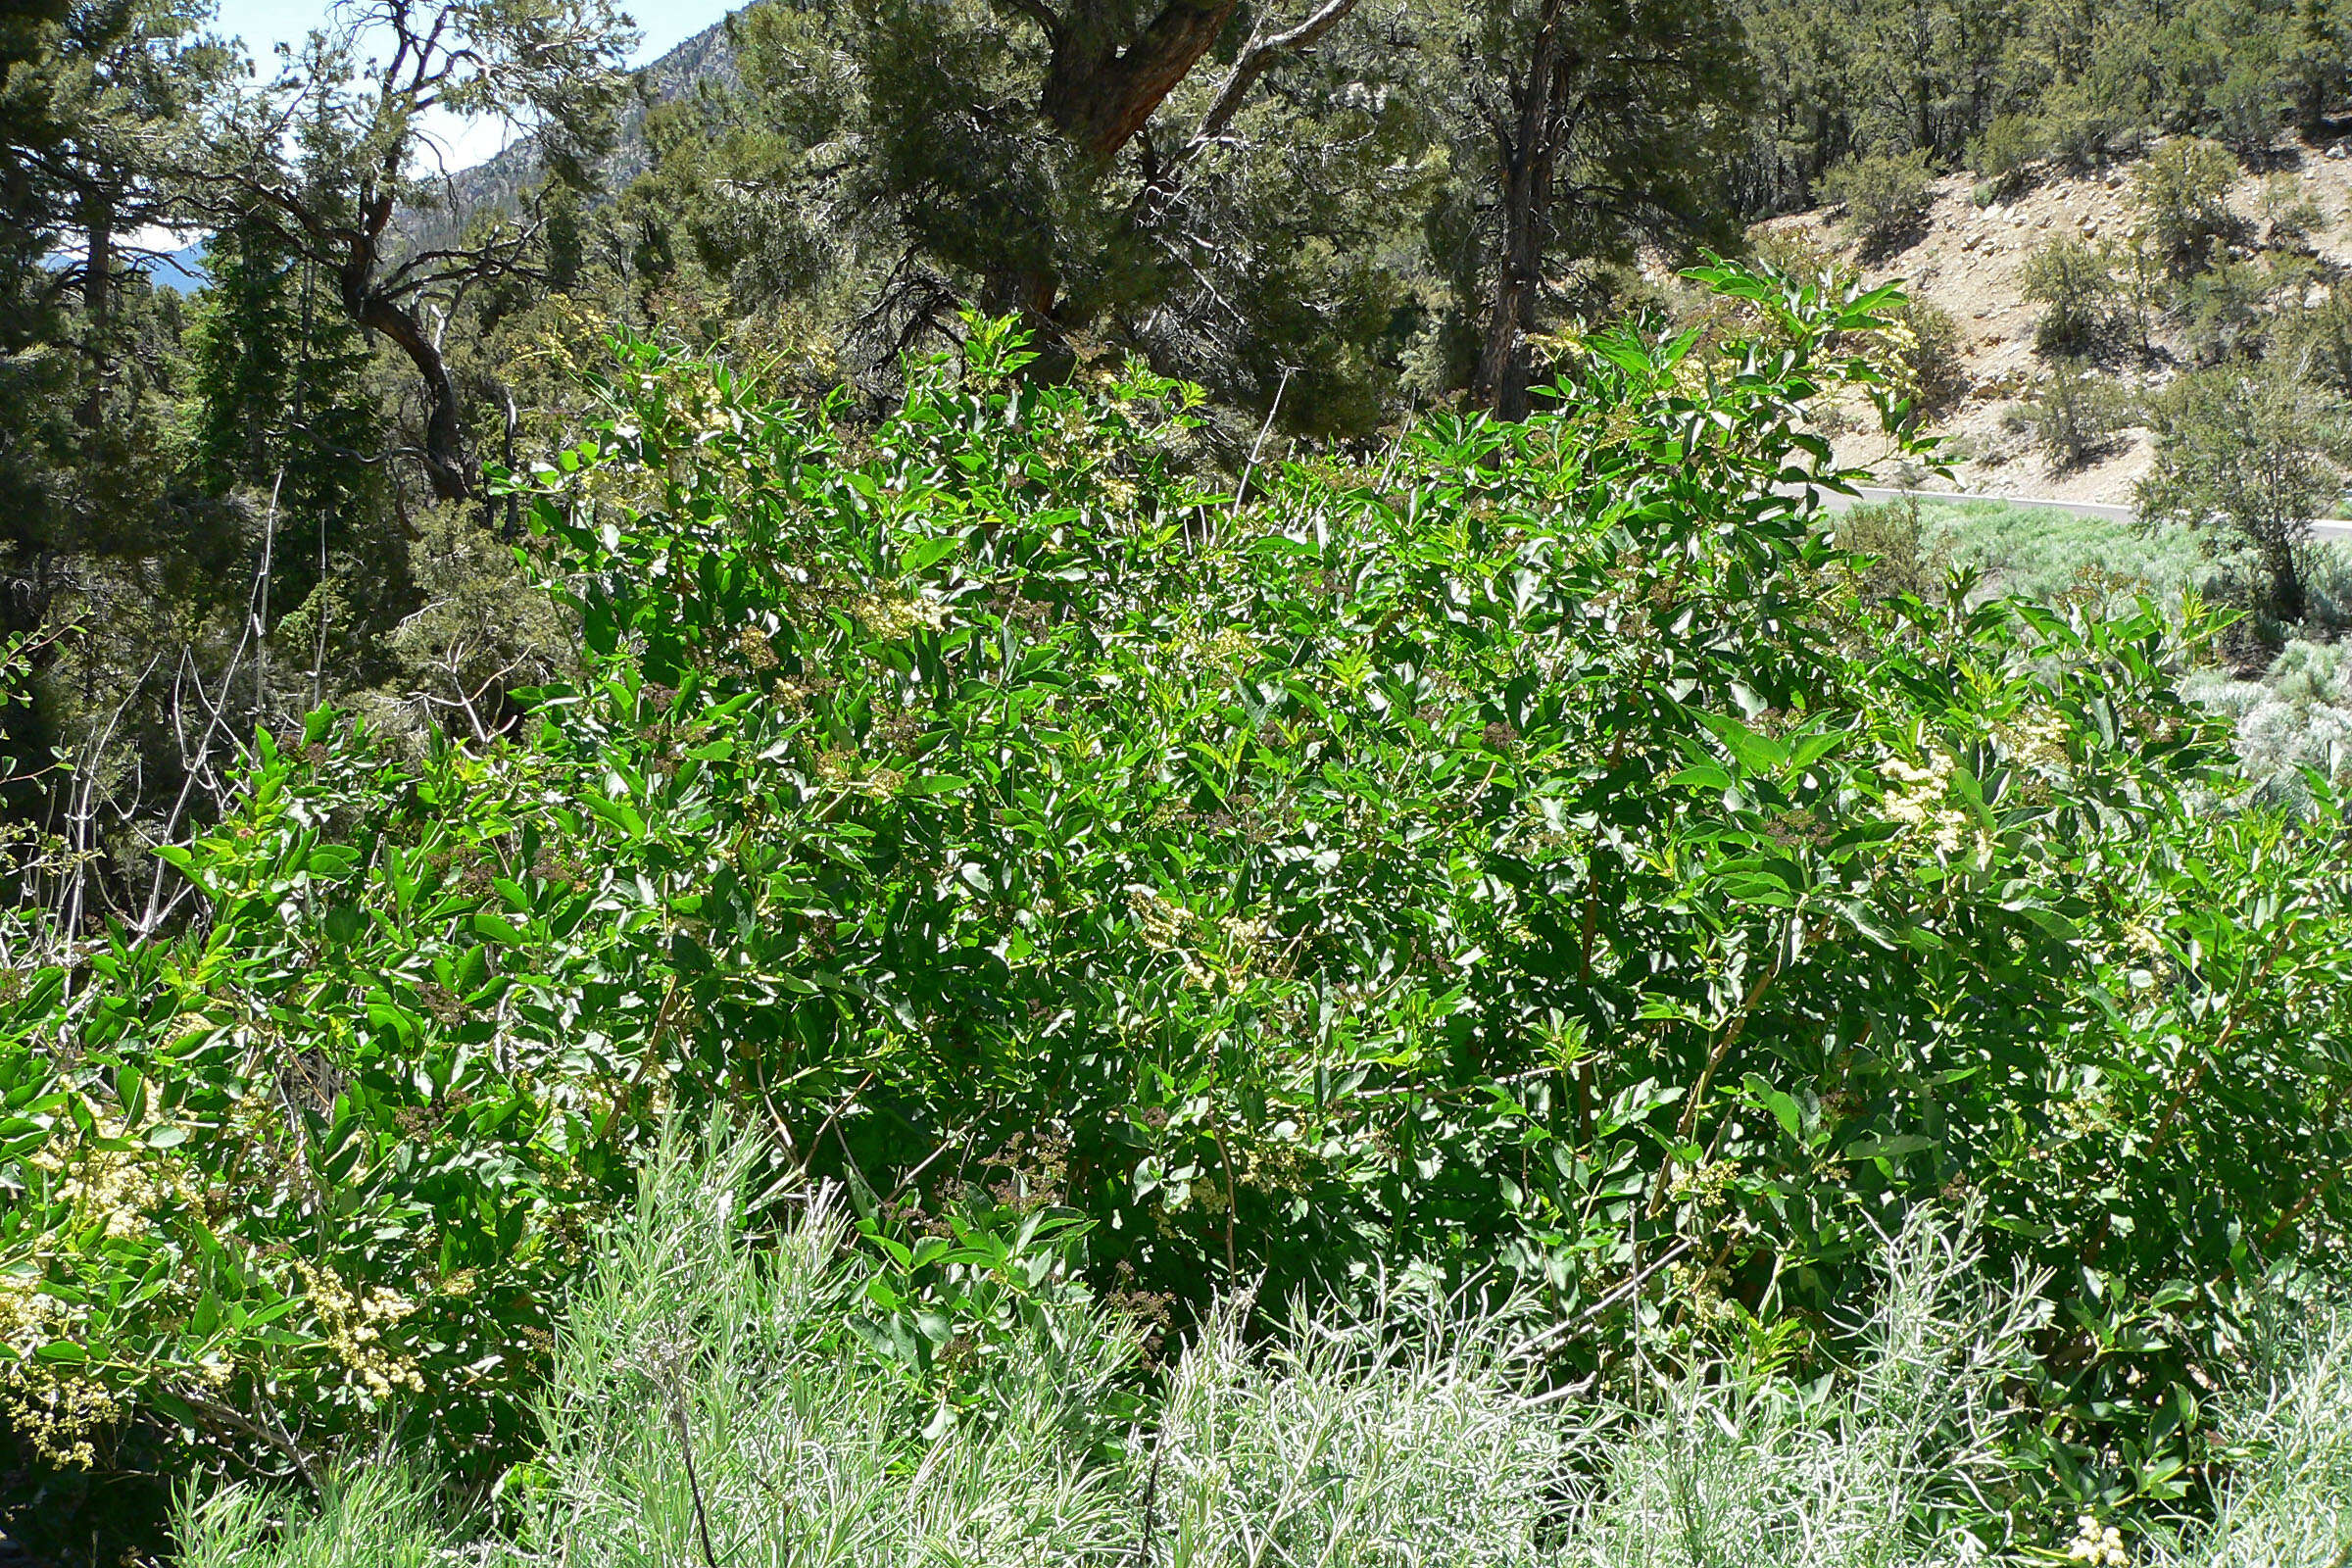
(266, 1427)
(1257, 57)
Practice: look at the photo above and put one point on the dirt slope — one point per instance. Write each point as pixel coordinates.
(1969, 261)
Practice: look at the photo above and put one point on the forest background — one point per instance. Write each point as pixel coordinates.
(1327, 220)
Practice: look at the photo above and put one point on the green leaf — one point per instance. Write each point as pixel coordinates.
(1757, 754)
(926, 554)
(1783, 1107)
(1893, 1147)
(1701, 777)
(495, 929)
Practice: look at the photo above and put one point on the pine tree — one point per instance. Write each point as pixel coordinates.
(1576, 130)
(277, 375)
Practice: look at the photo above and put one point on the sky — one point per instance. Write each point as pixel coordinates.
(266, 23)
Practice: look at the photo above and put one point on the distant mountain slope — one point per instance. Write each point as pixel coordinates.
(182, 272)
(1969, 261)
(499, 182)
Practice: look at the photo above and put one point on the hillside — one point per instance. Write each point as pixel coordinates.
(1969, 261)
(707, 56)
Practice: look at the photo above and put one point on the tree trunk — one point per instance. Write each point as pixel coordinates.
(448, 466)
(98, 270)
(1530, 153)
(1099, 95)
(1029, 293)
(2287, 597)
(1505, 362)
(97, 296)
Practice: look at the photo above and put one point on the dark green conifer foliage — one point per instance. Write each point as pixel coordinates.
(282, 408)
(97, 97)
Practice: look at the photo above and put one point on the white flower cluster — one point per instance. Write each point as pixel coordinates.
(1167, 926)
(2036, 738)
(353, 1324)
(1160, 921)
(1919, 797)
(2100, 1548)
(1225, 655)
(57, 1407)
(838, 769)
(898, 618)
(113, 1187)
(113, 1184)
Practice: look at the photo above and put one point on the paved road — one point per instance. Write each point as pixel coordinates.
(2328, 528)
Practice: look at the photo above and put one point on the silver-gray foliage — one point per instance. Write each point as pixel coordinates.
(2298, 715)
(704, 1408)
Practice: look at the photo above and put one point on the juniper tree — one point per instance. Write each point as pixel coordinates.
(2252, 452)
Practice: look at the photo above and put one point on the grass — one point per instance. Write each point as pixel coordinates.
(704, 1388)
(1403, 1434)
(2047, 555)
(707, 1408)
(2043, 554)
(1734, 1466)
(372, 1515)
(2289, 1504)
